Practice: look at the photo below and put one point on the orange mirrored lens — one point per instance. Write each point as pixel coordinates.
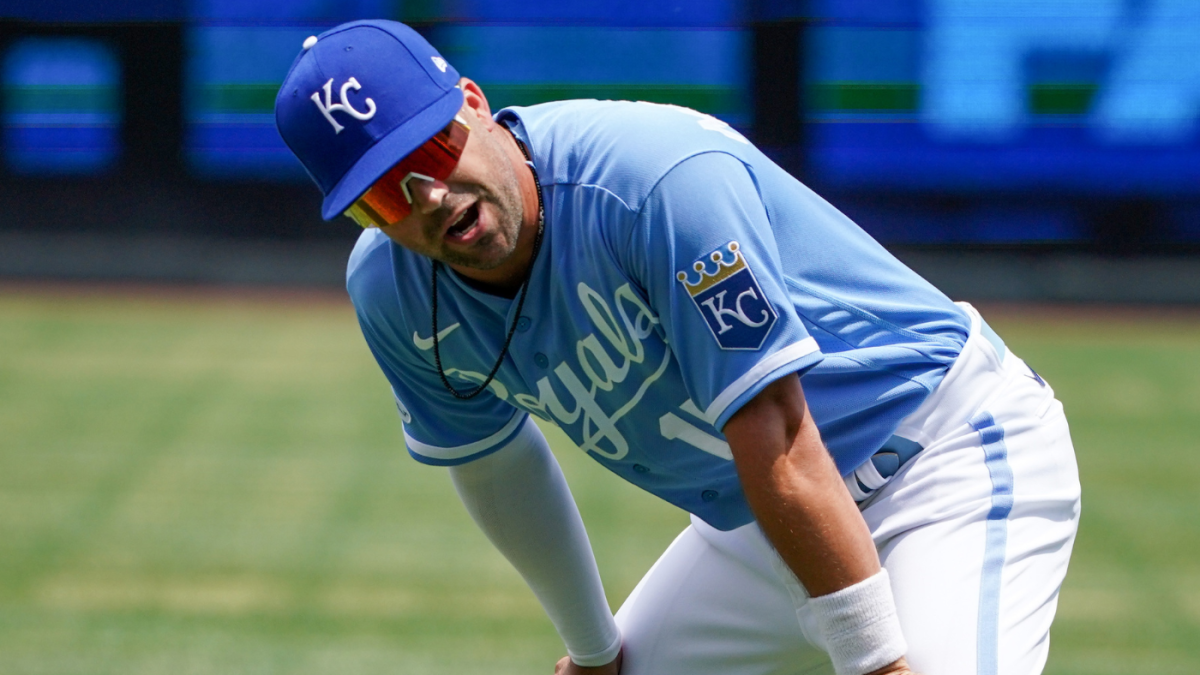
(385, 203)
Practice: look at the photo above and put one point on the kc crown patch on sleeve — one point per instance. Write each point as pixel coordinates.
(726, 293)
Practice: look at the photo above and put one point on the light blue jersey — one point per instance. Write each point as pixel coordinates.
(680, 273)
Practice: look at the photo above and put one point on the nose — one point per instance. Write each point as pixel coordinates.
(428, 195)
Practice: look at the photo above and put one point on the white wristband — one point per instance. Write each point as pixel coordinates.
(860, 626)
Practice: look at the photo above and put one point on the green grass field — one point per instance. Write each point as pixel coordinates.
(214, 483)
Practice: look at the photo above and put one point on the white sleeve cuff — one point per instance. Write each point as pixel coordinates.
(599, 658)
(439, 456)
(779, 359)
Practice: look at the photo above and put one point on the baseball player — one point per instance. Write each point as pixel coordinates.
(877, 485)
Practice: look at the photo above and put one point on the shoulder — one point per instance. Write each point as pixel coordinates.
(384, 289)
(371, 276)
(622, 147)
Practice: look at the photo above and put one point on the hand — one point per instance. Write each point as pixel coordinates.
(897, 667)
(566, 667)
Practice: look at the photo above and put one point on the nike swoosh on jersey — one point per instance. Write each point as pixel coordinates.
(425, 344)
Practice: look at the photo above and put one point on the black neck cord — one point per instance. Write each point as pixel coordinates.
(512, 329)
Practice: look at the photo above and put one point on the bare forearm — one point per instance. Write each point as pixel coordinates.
(802, 505)
(796, 493)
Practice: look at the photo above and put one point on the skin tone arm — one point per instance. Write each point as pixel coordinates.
(796, 492)
(797, 495)
(798, 498)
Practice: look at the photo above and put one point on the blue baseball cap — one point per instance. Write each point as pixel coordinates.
(357, 100)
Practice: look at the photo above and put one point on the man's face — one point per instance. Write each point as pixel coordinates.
(471, 219)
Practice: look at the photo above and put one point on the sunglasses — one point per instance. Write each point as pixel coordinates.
(390, 199)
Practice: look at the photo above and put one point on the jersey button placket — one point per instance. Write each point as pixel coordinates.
(524, 323)
(709, 496)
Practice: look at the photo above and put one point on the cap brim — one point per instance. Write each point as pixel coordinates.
(389, 150)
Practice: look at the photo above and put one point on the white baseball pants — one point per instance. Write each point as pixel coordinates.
(975, 532)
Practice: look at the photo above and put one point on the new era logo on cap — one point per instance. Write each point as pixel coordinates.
(358, 99)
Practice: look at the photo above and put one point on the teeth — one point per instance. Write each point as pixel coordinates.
(459, 227)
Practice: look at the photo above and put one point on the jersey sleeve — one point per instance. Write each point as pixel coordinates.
(705, 253)
(439, 429)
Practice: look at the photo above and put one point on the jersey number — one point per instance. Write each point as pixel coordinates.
(672, 427)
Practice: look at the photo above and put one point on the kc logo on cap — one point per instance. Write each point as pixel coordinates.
(329, 106)
(380, 87)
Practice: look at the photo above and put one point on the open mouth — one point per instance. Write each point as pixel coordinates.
(466, 223)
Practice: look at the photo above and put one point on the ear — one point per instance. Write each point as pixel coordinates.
(475, 104)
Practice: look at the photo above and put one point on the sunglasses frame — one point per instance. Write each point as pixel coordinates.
(451, 140)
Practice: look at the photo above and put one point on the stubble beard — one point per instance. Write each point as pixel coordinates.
(494, 248)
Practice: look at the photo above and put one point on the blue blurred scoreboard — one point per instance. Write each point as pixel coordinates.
(998, 103)
(974, 96)
(520, 51)
(61, 106)
(692, 53)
